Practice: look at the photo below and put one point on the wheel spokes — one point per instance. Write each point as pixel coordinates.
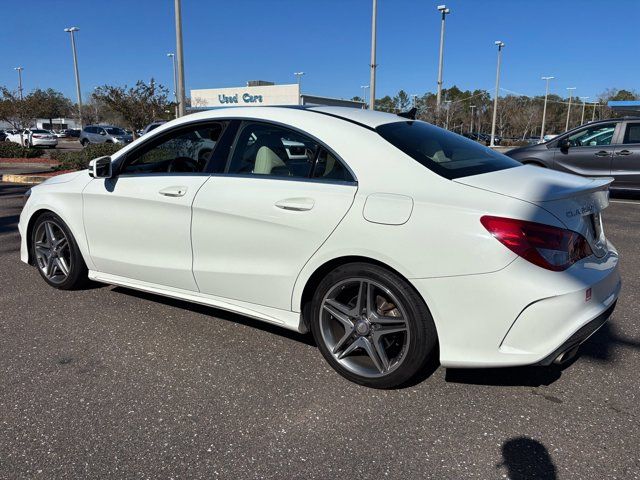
(61, 263)
(339, 311)
(52, 252)
(375, 331)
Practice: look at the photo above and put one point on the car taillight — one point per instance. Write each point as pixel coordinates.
(548, 247)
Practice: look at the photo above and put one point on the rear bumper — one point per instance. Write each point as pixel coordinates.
(522, 314)
(559, 355)
(44, 143)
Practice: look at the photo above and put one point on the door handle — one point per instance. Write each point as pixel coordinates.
(602, 153)
(624, 152)
(296, 204)
(178, 191)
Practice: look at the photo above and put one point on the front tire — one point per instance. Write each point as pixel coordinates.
(371, 326)
(56, 253)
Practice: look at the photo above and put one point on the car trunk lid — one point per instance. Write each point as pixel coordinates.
(575, 201)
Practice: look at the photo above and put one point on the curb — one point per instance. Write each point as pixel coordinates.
(24, 179)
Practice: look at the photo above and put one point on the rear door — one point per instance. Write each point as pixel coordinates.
(625, 166)
(255, 226)
(590, 151)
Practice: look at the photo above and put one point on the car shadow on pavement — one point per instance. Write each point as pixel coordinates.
(9, 223)
(526, 458)
(604, 343)
(508, 376)
(307, 339)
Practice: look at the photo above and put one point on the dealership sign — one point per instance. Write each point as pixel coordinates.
(246, 98)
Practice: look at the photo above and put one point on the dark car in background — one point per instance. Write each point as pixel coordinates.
(483, 138)
(605, 148)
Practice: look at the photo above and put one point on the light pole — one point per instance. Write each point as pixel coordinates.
(471, 123)
(364, 94)
(448, 102)
(372, 81)
(444, 11)
(71, 31)
(173, 67)
(500, 45)
(544, 109)
(571, 89)
(584, 106)
(593, 117)
(299, 80)
(19, 69)
(182, 100)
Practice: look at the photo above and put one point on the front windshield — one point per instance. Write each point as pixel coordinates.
(115, 131)
(443, 152)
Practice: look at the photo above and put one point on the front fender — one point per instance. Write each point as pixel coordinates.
(65, 200)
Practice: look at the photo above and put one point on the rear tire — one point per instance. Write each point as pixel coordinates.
(371, 326)
(56, 253)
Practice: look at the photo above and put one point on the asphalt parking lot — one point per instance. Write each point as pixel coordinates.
(109, 382)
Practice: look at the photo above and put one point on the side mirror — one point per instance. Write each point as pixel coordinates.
(564, 144)
(102, 132)
(100, 167)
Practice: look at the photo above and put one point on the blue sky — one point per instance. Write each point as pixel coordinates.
(588, 44)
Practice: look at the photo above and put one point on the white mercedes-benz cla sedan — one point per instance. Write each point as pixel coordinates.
(390, 239)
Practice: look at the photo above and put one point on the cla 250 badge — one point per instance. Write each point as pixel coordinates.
(581, 211)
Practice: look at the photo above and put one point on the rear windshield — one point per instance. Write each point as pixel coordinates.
(445, 153)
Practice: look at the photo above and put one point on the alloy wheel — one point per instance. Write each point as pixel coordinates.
(365, 327)
(52, 250)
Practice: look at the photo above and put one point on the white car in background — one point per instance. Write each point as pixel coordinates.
(33, 137)
(388, 238)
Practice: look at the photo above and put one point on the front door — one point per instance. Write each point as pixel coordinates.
(625, 166)
(589, 153)
(255, 226)
(138, 223)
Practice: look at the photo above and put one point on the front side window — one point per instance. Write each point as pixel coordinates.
(186, 150)
(273, 151)
(445, 153)
(595, 135)
(632, 133)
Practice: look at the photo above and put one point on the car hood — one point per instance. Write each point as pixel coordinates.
(64, 178)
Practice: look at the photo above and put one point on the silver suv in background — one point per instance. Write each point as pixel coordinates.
(103, 134)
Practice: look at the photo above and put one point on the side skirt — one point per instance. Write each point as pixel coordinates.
(283, 318)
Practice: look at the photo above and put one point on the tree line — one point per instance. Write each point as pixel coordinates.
(131, 107)
(519, 116)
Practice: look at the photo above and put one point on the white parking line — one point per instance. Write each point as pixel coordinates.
(624, 201)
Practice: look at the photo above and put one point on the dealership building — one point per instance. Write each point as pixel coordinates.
(261, 93)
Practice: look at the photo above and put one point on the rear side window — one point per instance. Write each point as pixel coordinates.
(445, 153)
(273, 151)
(632, 134)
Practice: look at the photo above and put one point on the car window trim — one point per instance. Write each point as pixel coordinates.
(160, 138)
(246, 120)
(618, 134)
